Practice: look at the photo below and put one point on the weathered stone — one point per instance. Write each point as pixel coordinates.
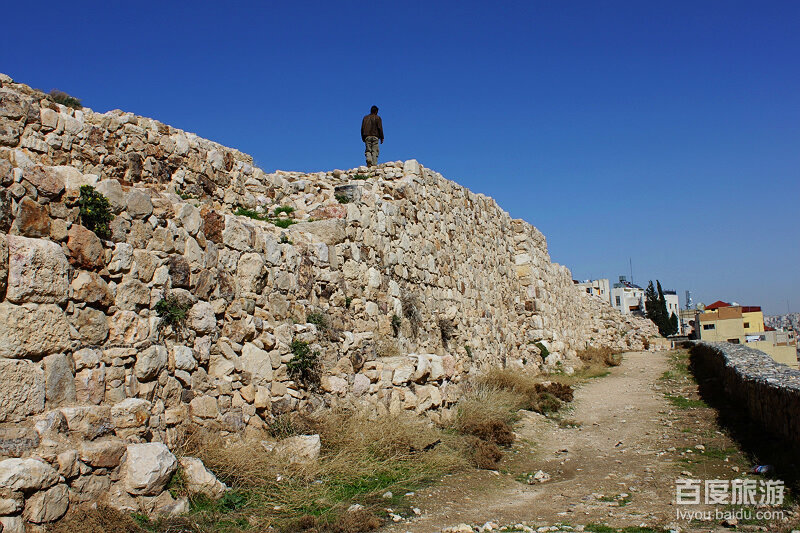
(11, 502)
(213, 225)
(329, 212)
(127, 328)
(21, 390)
(199, 479)
(26, 475)
(190, 217)
(183, 356)
(148, 468)
(90, 385)
(180, 272)
(32, 219)
(250, 273)
(47, 506)
(103, 453)
(132, 294)
(6, 206)
(15, 441)
(87, 358)
(59, 381)
(237, 234)
(51, 423)
(112, 190)
(85, 248)
(48, 182)
(31, 331)
(150, 362)
(89, 287)
(89, 421)
(92, 325)
(37, 271)
(89, 489)
(131, 413)
(300, 449)
(360, 384)
(258, 363)
(68, 465)
(3, 264)
(334, 384)
(331, 231)
(204, 407)
(138, 204)
(11, 524)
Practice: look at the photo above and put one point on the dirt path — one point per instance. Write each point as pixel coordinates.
(611, 461)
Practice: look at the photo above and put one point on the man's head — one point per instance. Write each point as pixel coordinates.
(374, 110)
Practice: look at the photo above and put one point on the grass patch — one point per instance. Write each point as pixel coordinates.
(342, 198)
(530, 394)
(359, 177)
(255, 215)
(684, 403)
(172, 313)
(60, 97)
(304, 364)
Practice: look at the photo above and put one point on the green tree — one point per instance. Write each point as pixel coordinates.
(663, 318)
(673, 324)
(651, 303)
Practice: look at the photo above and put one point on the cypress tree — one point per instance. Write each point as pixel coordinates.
(663, 315)
(651, 302)
(673, 324)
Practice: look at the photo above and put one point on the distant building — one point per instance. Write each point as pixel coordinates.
(628, 297)
(724, 322)
(596, 287)
(673, 307)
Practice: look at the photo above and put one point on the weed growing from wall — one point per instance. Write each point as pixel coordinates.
(95, 211)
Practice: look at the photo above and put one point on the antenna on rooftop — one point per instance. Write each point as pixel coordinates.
(630, 262)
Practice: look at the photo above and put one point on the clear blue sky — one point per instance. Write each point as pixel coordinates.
(666, 132)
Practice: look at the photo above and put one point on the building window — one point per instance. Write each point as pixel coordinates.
(747, 324)
(708, 326)
(618, 302)
(733, 341)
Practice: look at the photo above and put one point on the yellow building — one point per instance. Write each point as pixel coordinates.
(723, 322)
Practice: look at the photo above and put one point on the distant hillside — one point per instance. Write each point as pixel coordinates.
(783, 321)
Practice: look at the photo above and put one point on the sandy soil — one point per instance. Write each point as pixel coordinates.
(613, 460)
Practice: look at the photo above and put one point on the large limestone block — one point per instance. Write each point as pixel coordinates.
(112, 190)
(258, 363)
(331, 231)
(48, 181)
(148, 468)
(131, 413)
(139, 204)
(32, 219)
(37, 271)
(103, 453)
(250, 273)
(47, 506)
(21, 390)
(26, 475)
(30, 330)
(85, 248)
(59, 381)
(89, 287)
(300, 449)
(150, 362)
(199, 479)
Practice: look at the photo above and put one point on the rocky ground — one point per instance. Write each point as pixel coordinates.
(608, 464)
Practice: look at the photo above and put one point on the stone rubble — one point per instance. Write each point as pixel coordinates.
(404, 291)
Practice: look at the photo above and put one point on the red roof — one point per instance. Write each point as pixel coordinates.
(717, 305)
(767, 328)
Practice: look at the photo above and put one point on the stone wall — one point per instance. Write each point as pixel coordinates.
(768, 393)
(404, 283)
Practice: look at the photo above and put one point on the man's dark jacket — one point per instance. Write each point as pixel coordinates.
(371, 126)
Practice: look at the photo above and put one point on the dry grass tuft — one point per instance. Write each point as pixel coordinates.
(361, 458)
(600, 356)
(484, 455)
(97, 519)
(529, 393)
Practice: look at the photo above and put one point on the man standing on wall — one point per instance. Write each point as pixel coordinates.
(371, 134)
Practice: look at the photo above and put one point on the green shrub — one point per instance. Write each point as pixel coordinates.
(249, 213)
(542, 348)
(172, 313)
(360, 177)
(283, 222)
(396, 323)
(95, 211)
(280, 222)
(303, 366)
(342, 199)
(319, 320)
(283, 209)
(60, 97)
